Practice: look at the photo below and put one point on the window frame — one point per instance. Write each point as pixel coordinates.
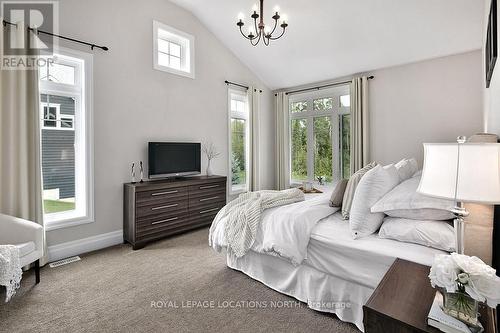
(82, 92)
(187, 52)
(310, 114)
(243, 97)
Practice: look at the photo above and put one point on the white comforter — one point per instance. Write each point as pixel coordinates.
(284, 231)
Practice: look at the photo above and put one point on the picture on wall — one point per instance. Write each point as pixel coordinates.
(491, 53)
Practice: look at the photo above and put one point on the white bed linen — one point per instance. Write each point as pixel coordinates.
(321, 291)
(365, 260)
(338, 270)
(284, 231)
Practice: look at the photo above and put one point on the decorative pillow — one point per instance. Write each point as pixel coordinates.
(406, 168)
(338, 194)
(351, 189)
(436, 234)
(373, 186)
(404, 201)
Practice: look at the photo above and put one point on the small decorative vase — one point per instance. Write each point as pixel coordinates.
(461, 306)
(209, 169)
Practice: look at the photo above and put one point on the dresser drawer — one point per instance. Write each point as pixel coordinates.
(206, 188)
(208, 199)
(171, 207)
(159, 222)
(208, 210)
(160, 226)
(161, 195)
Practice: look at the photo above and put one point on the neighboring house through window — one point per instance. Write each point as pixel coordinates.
(53, 118)
(320, 135)
(173, 50)
(238, 140)
(66, 127)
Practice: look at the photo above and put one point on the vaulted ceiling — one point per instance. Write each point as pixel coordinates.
(327, 39)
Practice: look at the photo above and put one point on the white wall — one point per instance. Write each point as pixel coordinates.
(134, 104)
(492, 94)
(429, 101)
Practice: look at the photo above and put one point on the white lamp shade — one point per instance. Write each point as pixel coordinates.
(478, 172)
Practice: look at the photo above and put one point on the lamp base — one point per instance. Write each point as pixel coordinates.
(459, 225)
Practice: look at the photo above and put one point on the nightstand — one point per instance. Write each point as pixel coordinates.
(403, 299)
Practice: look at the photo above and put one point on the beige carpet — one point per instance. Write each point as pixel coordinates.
(111, 290)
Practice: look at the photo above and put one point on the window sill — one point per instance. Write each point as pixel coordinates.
(67, 223)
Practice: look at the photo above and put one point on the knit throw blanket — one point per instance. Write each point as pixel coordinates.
(244, 216)
(10, 269)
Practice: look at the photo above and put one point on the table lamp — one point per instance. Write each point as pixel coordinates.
(462, 172)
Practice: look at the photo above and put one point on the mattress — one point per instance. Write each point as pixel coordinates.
(363, 261)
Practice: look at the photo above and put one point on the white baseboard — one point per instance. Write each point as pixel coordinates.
(84, 245)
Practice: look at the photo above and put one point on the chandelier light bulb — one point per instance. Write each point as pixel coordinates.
(267, 29)
(251, 31)
(284, 18)
(255, 8)
(241, 16)
(276, 9)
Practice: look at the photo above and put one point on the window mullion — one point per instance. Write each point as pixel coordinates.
(310, 148)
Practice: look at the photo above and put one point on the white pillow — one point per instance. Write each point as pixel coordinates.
(437, 234)
(404, 201)
(406, 168)
(373, 186)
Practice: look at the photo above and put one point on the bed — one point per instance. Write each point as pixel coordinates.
(338, 274)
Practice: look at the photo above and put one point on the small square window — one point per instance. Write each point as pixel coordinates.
(173, 50)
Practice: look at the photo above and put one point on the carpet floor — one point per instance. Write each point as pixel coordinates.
(112, 290)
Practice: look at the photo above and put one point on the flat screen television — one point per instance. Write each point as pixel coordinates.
(173, 159)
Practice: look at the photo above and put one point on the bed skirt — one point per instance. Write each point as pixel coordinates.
(321, 291)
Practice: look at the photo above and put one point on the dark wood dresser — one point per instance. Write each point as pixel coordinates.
(402, 301)
(156, 209)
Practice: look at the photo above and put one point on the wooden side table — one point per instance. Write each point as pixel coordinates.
(403, 299)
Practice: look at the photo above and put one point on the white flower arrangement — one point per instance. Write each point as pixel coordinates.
(470, 275)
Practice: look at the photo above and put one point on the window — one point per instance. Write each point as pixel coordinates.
(173, 50)
(52, 117)
(320, 135)
(238, 140)
(65, 111)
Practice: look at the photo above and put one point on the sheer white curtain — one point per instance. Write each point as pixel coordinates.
(253, 95)
(359, 123)
(282, 139)
(20, 167)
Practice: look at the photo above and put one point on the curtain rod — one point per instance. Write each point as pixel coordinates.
(92, 46)
(324, 86)
(239, 85)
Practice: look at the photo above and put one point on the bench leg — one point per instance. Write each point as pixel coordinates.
(37, 271)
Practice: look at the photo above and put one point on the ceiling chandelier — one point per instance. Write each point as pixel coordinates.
(261, 31)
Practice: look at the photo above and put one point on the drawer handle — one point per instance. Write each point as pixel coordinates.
(163, 193)
(209, 210)
(167, 206)
(166, 220)
(209, 186)
(211, 198)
